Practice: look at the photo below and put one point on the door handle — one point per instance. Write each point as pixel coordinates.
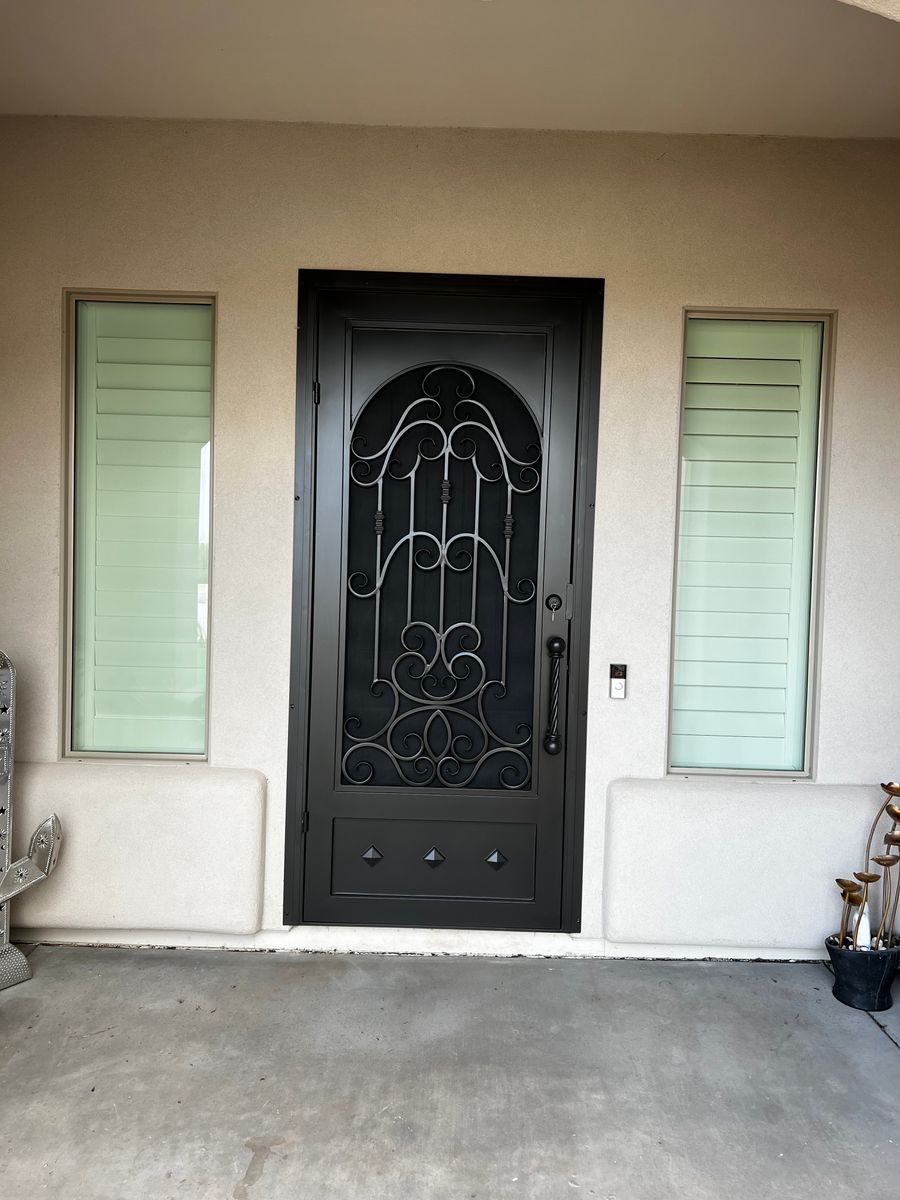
(556, 648)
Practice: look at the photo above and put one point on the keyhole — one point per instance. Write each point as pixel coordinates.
(554, 603)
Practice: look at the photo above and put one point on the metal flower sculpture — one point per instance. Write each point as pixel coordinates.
(887, 861)
(856, 895)
(850, 894)
(43, 849)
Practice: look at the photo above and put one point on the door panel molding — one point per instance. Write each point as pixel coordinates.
(441, 895)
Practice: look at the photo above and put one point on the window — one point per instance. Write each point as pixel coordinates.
(749, 449)
(140, 526)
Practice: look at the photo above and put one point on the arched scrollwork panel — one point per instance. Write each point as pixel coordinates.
(442, 577)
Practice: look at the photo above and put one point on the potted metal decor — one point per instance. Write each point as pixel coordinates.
(865, 952)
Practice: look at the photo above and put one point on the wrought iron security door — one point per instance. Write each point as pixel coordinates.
(444, 522)
(432, 752)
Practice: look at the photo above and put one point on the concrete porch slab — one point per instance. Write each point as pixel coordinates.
(210, 1075)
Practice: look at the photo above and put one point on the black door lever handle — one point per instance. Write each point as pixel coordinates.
(556, 648)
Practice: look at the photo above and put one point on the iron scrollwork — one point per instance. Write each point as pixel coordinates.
(429, 661)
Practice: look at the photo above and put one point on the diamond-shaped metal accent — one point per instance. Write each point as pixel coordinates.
(496, 859)
(434, 858)
(372, 856)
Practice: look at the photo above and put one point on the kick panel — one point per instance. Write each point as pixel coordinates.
(442, 859)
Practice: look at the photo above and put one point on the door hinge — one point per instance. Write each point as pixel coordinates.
(304, 821)
(316, 391)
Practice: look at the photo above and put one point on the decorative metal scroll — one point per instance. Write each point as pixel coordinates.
(43, 849)
(444, 516)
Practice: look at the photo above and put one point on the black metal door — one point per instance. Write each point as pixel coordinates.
(434, 773)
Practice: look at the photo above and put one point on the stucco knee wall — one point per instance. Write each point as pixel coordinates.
(167, 846)
(695, 866)
(730, 862)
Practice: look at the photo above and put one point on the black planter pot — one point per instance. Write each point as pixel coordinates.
(863, 978)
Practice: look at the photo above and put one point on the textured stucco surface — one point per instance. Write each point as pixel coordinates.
(667, 221)
(159, 846)
(884, 8)
(735, 861)
(799, 68)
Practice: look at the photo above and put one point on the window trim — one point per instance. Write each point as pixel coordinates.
(70, 299)
(828, 319)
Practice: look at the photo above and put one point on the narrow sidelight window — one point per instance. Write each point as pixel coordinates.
(749, 449)
(140, 527)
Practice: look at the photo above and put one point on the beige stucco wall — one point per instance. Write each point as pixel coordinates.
(885, 8)
(667, 221)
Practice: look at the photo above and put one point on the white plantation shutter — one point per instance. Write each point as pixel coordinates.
(141, 526)
(749, 450)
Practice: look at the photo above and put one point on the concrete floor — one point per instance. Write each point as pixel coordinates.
(218, 1076)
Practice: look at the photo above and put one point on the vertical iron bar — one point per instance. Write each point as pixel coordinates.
(507, 534)
(379, 530)
(445, 501)
(412, 539)
(475, 542)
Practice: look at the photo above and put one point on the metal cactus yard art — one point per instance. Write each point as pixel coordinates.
(43, 849)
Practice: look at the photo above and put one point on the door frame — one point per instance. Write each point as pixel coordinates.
(590, 293)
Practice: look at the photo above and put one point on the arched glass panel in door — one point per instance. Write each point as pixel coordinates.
(444, 519)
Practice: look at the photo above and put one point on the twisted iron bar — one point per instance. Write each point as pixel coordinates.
(556, 648)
